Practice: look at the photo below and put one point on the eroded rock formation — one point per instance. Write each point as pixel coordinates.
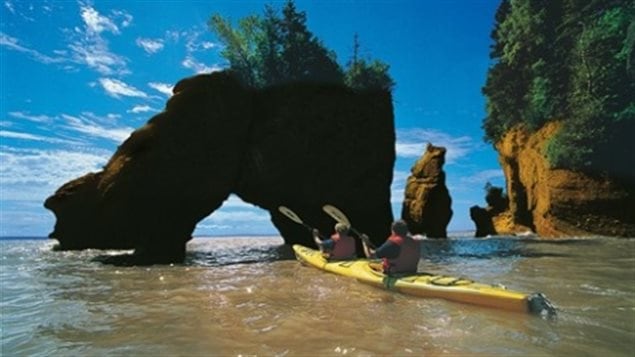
(427, 203)
(555, 202)
(298, 145)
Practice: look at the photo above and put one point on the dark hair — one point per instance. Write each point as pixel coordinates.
(400, 227)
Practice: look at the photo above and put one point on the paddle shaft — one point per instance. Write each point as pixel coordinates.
(340, 217)
(294, 217)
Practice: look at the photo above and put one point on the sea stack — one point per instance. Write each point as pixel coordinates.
(427, 202)
(301, 145)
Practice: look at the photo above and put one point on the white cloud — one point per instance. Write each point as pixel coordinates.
(86, 44)
(173, 35)
(13, 44)
(126, 18)
(399, 178)
(162, 87)
(484, 176)
(97, 23)
(93, 52)
(234, 201)
(26, 136)
(397, 195)
(206, 45)
(42, 167)
(142, 109)
(28, 175)
(193, 45)
(9, 6)
(33, 118)
(224, 216)
(89, 48)
(397, 188)
(198, 67)
(21, 9)
(411, 143)
(87, 125)
(149, 45)
(117, 88)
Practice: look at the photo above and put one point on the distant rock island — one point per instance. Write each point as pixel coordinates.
(299, 145)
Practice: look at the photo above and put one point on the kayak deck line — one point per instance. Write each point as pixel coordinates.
(427, 285)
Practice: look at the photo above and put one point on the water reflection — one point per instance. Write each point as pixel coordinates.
(238, 255)
(440, 250)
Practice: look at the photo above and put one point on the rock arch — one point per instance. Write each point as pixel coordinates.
(300, 145)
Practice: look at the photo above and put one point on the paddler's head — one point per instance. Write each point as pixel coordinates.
(400, 228)
(342, 228)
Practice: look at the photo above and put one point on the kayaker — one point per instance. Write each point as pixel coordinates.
(340, 246)
(400, 253)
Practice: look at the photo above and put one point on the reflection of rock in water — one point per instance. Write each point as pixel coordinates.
(240, 255)
(439, 250)
(298, 145)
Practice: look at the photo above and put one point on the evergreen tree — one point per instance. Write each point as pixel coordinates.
(364, 74)
(275, 49)
(240, 46)
(566, 60)
(304, 57)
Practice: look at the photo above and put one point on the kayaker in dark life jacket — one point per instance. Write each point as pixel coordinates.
(400, 253)
(340, 246)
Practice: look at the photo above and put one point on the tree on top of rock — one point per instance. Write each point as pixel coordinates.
(275, 49)
(365, 73)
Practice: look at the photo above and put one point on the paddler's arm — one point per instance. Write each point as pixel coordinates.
(316, 238)
(368, 251)
(323, 245)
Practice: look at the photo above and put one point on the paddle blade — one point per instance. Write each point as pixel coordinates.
(336, 214)
(289, 213)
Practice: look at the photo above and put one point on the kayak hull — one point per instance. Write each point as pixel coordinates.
(426, 285)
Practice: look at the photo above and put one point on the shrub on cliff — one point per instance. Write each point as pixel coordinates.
(572, 61)
(273, 49)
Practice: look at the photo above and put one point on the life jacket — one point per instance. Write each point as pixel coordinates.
(344, 247)
(408, 258)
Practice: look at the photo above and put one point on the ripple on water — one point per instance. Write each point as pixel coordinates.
(244, 296)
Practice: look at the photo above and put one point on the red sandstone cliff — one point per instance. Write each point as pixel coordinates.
(555, 202)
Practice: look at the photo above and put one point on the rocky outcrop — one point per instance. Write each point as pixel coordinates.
(482, 218)
(555, 202)
(427, 203)
(298, 145)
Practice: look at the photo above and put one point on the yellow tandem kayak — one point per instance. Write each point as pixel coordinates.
(430, 285)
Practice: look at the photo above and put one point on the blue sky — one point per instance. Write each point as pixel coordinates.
(76, 77)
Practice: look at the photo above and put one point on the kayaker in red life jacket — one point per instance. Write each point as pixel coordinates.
(400, 253)
(340, 246)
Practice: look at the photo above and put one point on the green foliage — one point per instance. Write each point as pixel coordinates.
(567, 60)
(240, 45)
(369, 75)
(275, 48)
(366, 74)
